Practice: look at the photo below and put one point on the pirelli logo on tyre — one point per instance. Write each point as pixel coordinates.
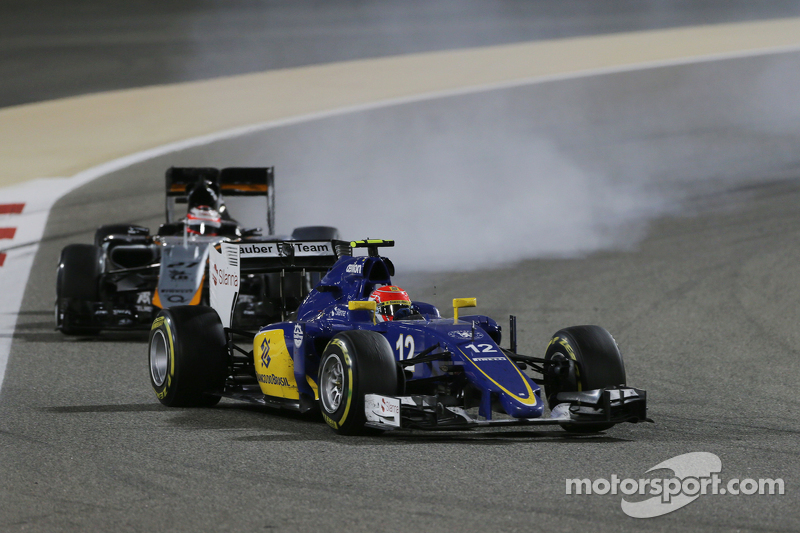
(564, 344)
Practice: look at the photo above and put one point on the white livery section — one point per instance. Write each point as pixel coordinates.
(223, 286)
(382, 410)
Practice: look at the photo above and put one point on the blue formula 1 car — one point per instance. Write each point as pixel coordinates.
(341, 353)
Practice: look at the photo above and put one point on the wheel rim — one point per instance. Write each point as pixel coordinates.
(158, 357)
(332, 385)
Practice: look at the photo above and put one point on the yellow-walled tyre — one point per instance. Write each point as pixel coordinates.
(353, 364)
(188, 356)
(598, 364)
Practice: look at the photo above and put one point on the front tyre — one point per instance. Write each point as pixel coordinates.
(77, 288)
(354, 363)
(188, 357)
(598, 365)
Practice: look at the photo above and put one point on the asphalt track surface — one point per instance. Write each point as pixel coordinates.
(702, 304)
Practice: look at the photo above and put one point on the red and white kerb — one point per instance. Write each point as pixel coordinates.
(8, 232)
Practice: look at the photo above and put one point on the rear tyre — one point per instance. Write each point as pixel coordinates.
(188, 356)
(354, 363)
(598, 364)
(77, 286)
(315, 233)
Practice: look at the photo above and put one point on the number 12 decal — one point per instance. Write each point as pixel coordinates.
(481, 348)
(409, 343)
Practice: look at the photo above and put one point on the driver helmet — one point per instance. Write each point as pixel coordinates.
(203, 220)
(204, 193)
(389, 299)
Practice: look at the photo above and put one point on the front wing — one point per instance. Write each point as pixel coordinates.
(599, 407)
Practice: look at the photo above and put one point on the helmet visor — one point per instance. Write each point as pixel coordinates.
(390, 308)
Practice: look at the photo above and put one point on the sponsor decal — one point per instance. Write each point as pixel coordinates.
(382, 409)
(178, 275)
(354, 268)
(464, 334)
(220, 276)
(389, 409)
(298, 335)
(256, 250)
(489, 359)
(338, 311)
(176, 298)
(311, 249)
(285, 249)
(265, 358)
(143, 297)
(272, 379)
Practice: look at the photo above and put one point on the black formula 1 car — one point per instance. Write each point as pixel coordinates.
(337, 352)
(127, 275)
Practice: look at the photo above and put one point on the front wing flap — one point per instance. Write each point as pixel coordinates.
(74, 313)
(598, 407)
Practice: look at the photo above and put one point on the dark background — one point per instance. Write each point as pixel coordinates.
(53, 48)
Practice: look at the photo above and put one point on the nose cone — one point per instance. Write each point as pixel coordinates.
(520, 406)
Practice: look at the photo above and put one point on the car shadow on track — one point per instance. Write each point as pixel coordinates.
(112, 408)
(26, 333)
(286, 426)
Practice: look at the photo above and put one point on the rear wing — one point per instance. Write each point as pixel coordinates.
(248, 193)
(228, 262)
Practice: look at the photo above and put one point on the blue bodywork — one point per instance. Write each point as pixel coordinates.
(475, 368)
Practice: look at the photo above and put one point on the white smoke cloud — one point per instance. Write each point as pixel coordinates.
(552, 170)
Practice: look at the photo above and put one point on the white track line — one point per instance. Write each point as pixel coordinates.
(40, 195)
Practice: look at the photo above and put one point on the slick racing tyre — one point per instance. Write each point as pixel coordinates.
(315, 233)
(77, 285)
(188, 356)
(353, 364)
(598, 364)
